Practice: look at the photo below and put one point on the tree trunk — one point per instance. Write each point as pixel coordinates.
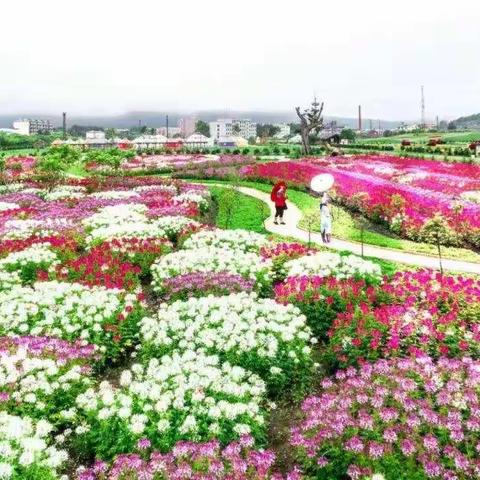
(305, 141)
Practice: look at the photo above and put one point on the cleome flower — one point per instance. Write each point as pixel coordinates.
(261, 335)
(242, 240)
(189, 396)
(325, 264)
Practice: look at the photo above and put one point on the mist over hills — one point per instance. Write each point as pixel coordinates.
(158, 118)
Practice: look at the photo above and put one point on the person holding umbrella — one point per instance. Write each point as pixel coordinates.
(279, 198)
(320, 184)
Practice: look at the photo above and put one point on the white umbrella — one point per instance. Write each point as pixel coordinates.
(322, 183)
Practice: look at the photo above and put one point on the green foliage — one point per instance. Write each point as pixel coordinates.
(203, 128)
(348, 134)
(110, 157)
(239, 210)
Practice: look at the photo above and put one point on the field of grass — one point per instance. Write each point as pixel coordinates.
(450, 137)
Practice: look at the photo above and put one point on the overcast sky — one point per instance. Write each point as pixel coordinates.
(100, 57)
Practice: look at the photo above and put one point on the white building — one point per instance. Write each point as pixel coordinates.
(198, 140)
(172, 131)
(225, 127)
(284, 130)
(30, 126)
(95, 135)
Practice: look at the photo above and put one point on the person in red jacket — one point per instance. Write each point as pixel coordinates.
(279, 198)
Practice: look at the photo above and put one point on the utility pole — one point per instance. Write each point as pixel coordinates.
(359, 118)
(167, 124)
(371, 124)
(64, 125)
(438, 124)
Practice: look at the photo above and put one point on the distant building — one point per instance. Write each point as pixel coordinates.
(225, 127)
(187, 126)
(172, 131)
(30, 126)
(95, 135)
(284, 130)
(198, 140)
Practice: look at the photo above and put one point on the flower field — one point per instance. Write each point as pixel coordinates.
(417, 199)
(139, 342)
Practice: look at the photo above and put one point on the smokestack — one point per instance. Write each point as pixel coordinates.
(64, 124)
(360, 118)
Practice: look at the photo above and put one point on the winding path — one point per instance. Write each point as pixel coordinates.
(293, 216)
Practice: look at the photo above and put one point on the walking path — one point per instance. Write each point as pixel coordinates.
(293, 216)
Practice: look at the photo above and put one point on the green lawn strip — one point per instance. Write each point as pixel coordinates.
(345, 228)
(77, 169)
(248, 213)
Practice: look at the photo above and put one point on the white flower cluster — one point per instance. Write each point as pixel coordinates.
(209, 259)
(63, 192)
(24, 448)
(21, 229)
(11, 188)
(9, 279)
(260, 332)
(5, 206)
(38, 381)
(39, 254)
(115, 194)
(167, 189)
(64, 310)
(325, 264)
(174, 225)
(117, 214)
(243, 240)
(188, 395)
(192, 197)
(130, 221)
(471, 196)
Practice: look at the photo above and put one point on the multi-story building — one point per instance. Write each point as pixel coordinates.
(187, 126)
(30, 126)
(224, 127)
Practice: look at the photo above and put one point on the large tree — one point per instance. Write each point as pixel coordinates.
(202, 127)
(311, 121)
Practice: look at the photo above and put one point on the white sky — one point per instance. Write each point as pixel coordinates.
(106, 57)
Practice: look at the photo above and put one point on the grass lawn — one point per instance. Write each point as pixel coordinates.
(77, 169)
(248, 212)
(346, 228)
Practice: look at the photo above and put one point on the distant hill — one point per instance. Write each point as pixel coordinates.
(158, 119)
(471, 121)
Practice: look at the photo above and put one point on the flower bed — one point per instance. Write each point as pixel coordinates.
(322, 298)
(41, 375)
(404, 194)
(71, 311)
(26, 449)
(189, 460)
(262, 336)
(199, 284)
(188, 396)
(211, 260)
(326, 264)
(424, 312)
(242, 240)
(401, 418)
